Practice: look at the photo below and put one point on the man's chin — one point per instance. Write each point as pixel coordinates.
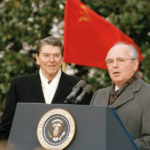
(117, 81)
(52, 72)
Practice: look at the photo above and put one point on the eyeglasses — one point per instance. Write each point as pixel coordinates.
(119, 61)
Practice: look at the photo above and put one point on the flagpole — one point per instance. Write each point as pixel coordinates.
(64, 67)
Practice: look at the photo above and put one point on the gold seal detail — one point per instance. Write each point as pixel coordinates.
(56, 129)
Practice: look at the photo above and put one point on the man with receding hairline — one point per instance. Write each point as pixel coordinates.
(129, 94)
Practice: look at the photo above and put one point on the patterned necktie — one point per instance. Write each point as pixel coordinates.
(115, 94)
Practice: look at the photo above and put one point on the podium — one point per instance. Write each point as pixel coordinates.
(97, 127)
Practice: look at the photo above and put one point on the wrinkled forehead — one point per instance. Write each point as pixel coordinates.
(120, 50)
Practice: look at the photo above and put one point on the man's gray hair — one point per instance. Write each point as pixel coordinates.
(50, 40)
(133, 51)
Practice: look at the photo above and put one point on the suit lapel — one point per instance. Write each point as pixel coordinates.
(125, 97)
(59, 94)
(64, 88)
(105, 97)
(128, 94)
(34, 86)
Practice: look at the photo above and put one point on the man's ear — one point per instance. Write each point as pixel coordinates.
(136, 64)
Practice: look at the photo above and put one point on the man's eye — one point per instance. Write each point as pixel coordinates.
(120, 59)
(57, 55)
(110, 61)
(46, 55)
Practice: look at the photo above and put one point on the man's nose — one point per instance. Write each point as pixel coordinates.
(51, 58)
(115, 63)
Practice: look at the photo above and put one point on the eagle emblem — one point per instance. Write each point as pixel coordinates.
(56, 130)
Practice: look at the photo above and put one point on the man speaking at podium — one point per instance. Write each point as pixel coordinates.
(49, 85)
(129, 94)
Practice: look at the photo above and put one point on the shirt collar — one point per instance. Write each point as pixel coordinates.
(45, 80)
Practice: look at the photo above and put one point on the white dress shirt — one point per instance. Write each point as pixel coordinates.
(49, 89)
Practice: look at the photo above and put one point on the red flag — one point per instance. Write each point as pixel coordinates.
(88, 36)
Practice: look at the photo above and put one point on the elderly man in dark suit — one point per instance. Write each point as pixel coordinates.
(49, 85)
(129, 94)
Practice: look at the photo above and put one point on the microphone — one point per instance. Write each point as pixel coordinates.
(86, 90)
(75, 90)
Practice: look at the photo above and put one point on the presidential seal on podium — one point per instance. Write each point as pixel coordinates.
(56, 129)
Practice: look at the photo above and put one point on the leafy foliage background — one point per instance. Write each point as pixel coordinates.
(23, 23)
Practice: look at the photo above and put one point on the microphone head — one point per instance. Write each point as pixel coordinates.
(87, 89)
(75, 90)
(81, 83)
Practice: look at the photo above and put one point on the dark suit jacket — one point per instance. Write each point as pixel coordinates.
(133, 107)
(28, 89)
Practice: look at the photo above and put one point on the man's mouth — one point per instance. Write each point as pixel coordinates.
(51, 66)
(116, 73)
